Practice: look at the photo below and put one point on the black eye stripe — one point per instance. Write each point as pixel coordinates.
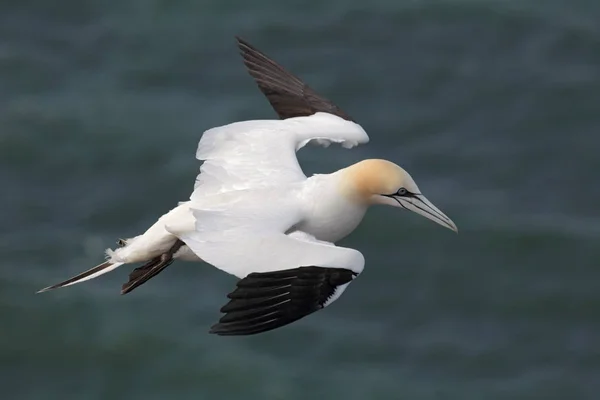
(402, 192)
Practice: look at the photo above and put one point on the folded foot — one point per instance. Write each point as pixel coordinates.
(142, 274)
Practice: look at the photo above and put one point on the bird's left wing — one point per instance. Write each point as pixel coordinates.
(262, 153)
(289, 95)
(283, 277)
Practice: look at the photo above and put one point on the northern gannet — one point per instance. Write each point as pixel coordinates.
(254, 214)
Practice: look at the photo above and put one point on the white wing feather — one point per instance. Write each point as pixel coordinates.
(245, 252)
(240, 235)
(257, 154)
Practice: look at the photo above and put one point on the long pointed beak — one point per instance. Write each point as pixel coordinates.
(419, 204)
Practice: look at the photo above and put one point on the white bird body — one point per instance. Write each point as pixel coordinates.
(260, 189)
(254, 214)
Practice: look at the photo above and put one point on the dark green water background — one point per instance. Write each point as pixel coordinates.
(493, 106)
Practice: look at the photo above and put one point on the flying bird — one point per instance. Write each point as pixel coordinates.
(254, 214)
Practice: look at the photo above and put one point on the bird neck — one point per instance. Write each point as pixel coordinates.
(330, 214)
(354, 184)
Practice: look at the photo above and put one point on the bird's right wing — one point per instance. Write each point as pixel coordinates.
(288, 95)
(283, 277)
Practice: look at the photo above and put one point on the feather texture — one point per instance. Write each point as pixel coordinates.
(257, 154)
(266, 301)
(288, 95)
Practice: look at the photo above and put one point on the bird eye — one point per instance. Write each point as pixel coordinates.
(402, 192)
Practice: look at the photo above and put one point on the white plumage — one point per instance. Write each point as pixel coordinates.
(255, 154)
(251, 182)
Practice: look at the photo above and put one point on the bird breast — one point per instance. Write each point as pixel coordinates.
(329, 215)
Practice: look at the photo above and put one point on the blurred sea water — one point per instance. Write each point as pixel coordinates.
(493, 106)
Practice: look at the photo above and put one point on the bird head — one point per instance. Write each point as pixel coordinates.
(383, 182)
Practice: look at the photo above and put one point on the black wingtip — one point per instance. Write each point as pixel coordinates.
(241, 42)
(266, 301)
(288, 95)
(243, 45)
(217, 329)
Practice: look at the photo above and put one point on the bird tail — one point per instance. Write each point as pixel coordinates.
(85, 276)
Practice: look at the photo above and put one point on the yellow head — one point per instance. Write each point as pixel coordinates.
(383, 182)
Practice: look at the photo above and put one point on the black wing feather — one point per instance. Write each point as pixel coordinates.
(269, 300)
(288, 95)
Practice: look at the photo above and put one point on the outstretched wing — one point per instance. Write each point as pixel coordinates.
(288, 95)
(257, 154)
(283, 277)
